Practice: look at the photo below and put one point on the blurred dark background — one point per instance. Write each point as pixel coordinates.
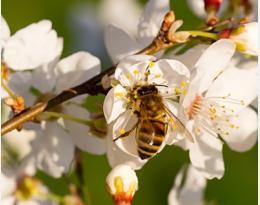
(81, 24)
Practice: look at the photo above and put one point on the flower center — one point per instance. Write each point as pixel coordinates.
(195, 107)
(213, 114)
(27, 187)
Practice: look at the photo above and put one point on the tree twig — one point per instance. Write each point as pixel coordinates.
(91, 87)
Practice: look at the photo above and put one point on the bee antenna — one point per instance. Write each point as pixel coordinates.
(162, 85)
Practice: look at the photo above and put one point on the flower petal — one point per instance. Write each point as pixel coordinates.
(197, 6)
(206, 156)
(54, 150)
(211, 63)
(124, 123)
(81, 65)
(174, 72)
(189, 192)
(20, 83)
(151, 20)
(243, 138)
(190, 57)
(229, 84)
(32, 46)
(8, 185)
(117, 156)
(132, 69)
(5, 32)
(248, 37)
(81, 134)
(114, 103)
(111, 11)
(20, 141)
(119, 44)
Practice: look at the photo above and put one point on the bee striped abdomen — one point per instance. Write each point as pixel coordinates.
(151, 134)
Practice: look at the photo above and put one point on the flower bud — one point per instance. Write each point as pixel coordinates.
(244, 36)
(122, 183)
(212, 5)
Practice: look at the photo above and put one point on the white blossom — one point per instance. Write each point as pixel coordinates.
(246, 38)
(32, 46)
(18, 186)
(188, 188)
(215, 105)
(5, 32)
(119, 107)
(23, 190)
(120, 43)
(124, 14)
(53, 148)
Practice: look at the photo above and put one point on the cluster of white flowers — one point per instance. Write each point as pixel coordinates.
(203, 102)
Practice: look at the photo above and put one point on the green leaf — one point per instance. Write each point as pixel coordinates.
(35, 91)
(93, 103)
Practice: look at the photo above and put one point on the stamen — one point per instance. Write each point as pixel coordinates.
(121, 131)
(151, 64)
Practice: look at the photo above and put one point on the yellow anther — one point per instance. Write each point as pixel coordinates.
(240, 46)
(198, 131)
(238, 30)
(212, 110)
(183, 83)
(119, 185)
(131, 189)
(151, 64)
(136, 71)
(122, 131)
(185, 91)
(158, 75)
(174, 126)
(119, 94)
(129, 77)
(177, 90)
(27, 188)
(232, 126)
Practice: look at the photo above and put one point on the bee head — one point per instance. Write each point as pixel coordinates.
(146, 90)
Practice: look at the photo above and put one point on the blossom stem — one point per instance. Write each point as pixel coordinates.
(8, 90)
(94, 85)
(68, 117)
(203, 34)
(50, 196)
(82, 189)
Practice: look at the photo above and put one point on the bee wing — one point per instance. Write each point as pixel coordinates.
(180, 126)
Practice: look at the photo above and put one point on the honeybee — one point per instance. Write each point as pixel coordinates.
(154, 119)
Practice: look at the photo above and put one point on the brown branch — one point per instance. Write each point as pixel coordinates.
(91, 87)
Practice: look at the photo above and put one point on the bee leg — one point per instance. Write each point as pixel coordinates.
(126, 134)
